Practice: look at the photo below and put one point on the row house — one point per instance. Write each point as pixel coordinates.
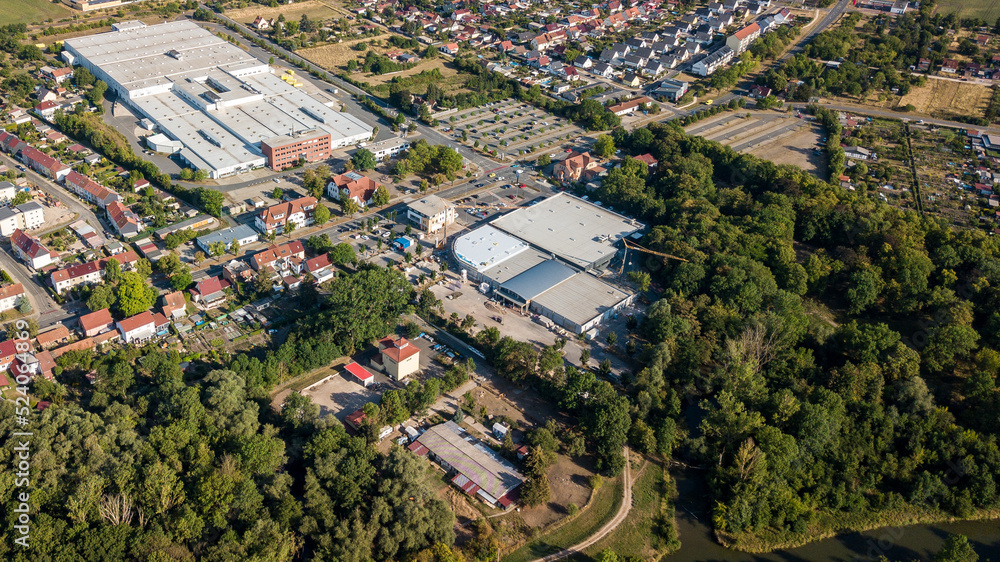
(31, 251)
(743, 37)
(89, 273)
(44, 164)
(126, 223)
(89, 190)
(11, 144)
(548, 40)
(278, 258)
(298, 212)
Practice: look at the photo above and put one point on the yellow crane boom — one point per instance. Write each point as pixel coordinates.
(633, 246)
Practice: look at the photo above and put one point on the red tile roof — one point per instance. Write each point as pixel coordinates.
(317, 263)
(747, 31)
(133, 323)
(45, 339)
(11, 291)
(96, 319)
(398, 349)
(28, 244)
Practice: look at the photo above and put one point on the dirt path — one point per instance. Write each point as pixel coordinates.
(604, 531)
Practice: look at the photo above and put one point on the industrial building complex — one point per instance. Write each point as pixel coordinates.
(541, 258)
(217, 107)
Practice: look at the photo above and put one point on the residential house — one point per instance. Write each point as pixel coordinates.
(571, 169)
(400, 358)
(924, 65)
(449, 49)
(671, 89)
(57, 75)
(859, 153)
(647, 159)
(137, 329)
(51, 338)
(96, 322)
(89, 190)
(320, 268)
(713, 61)
(277, 257)
(31, 251)
(743, 37)
(10, 296)
(950, 66)
(298, 212)
(431, 213)
(263, 24)
(198, 222)
(237, 272)
(8, 191)
(9, 351)
(759, 92)
(26, 216)
(353, 186)
(124, 220)
(210, 293)
(631, 80)
(44, 164)
(602, 69)
(584, 62)
(174, 305)
(629, 107)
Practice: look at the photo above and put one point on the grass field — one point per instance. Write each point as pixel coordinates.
(315, 9)
(603, 507)
(947, 97)
(984, 9)
(636, 535)
(31, 11)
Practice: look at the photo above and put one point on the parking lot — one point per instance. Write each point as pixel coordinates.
(341, 396)
(510, 127)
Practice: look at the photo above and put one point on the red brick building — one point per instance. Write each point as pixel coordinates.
(285, 151)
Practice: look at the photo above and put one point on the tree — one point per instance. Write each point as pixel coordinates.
(278, 193)
(321, 214)
(289, 228)
(380, 197)
(956, 549)
(604, 146)
(349, 206)
(23, 305)
(543, 160)
(21, 198)
(134, 294)
(342, 253)
(234, 248)
(364, 160)
(101, 297)
(181, 278)
(112, 271)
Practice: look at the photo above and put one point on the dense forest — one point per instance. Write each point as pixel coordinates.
(828, 357)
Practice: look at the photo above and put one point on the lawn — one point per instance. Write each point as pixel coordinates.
(982, 9)
(316, 10)
(575, 529)
(31, 11)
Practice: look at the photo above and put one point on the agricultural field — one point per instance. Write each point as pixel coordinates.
(948, 98)
(315, 9)
(983, 9)
(32, 11)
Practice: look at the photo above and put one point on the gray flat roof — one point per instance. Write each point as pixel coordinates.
(429, 205)
(569, 227)
(227, 235)
(486, 469)
(516, 265)
(581, 298)
(486, 247)
(540, 278)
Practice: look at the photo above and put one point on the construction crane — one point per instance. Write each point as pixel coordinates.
(633, 246)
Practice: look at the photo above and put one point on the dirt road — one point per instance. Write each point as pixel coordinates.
(607, 528)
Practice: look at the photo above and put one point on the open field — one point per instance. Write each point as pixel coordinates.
(943, 98)
(983, 9)
(797, 150)
(32, 11)
(451, 82)
(637, 535)
(315, 9)
(335, 55)
(603, 506)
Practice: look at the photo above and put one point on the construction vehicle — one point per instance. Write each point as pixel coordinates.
(633, 246)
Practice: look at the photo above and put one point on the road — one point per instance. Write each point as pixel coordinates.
(619, 517)
(48, 311)
(824, 23)
(913, 117)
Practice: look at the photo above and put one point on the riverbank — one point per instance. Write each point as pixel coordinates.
(830, 525)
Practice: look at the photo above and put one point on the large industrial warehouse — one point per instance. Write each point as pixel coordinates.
(541, 258)
(216, 100)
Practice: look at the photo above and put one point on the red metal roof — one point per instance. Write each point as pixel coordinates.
(358, 371)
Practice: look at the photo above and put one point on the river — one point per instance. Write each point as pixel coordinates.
(916, 542)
